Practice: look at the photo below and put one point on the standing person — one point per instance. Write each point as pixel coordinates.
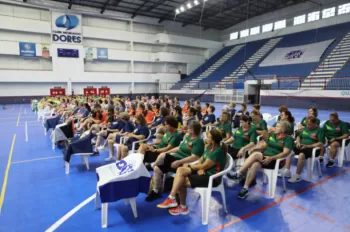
(238, 114)
(335, 130)
(213, 161)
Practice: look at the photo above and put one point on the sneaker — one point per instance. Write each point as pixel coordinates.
(95, 153)
(168, 203)
(101, 148)
(321, 160)
(286, 172)
(243, 193)
(111, 158)
(295, 178)
(233, 176)
(152, 196)
(179, 210)
(330, 164)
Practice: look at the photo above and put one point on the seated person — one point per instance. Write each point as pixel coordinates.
(280, 110)
(141, 132)
(189, 151)
(224, 126)
(243, 139)
(285, 116)
(115, 137)
(311, 136)
(95, 118)
(259, 123)
(238, 114)
(335, 131)
(276, 145)
(149, 114)
(190, 116)
(208, 118)
(177, 113)
(170, 140)
(311, 112)
(205, 108)
(159, 121)
(212, 161)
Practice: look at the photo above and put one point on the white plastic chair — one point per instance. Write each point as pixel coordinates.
(267, 116)
(205, 193)
(271, 175)
(342, 153)
(84, 159)
(322, 123)
(124, 139)
(310, 164)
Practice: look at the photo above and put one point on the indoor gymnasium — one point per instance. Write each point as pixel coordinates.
(195, 115)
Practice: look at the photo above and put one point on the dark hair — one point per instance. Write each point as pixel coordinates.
(217, 138)
(156, 105)
(244, 106)
(171, 121)
(334, 115)
(255, 112)
(110, 111)
(97, 106)
(212, 108)
(315, 111)
(256, 106)
(196, 127)
(87, 106)
(312, 119)
(141, 119)
(245, 118)
(207, 104)
(228, 116)
(289, 114)
(192, 110)
(100, 101)
(164, 112)
(178, 110)
(283, 108)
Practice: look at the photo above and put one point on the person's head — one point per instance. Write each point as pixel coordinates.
(256, 107)
(166, 104)
(198, 109)
(191, 111)
(283, 127)
(313, 112)
(225, 117)
(243, 107)
(171, 123)
(133, 106)
(194, 128)
(177, 111)
(164, 112)
(206, 105)
(225, 108)
(245, 121)
(255, 115)
(186, 103)
(334, 118)
(140, 120)
(287, 116)
(97, 107)
(211, 109)
(87, 106)
(232, 105)
(110, 111)
(282, 108)
(149, 107)
(100, 101)
(214, 138)
(124, 116)
(156, 106)
(311, 122)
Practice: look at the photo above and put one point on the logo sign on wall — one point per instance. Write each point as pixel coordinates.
(102, 53)
(89, 54)
(66, 28)
(27, 49)
(45, 50)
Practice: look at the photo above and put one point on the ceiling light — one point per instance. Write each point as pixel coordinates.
(177, 11)
(189, 5)
(182, 9)
(196, 2)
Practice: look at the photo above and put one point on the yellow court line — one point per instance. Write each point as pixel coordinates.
(4, 184)
(26, 161)
(19, 115)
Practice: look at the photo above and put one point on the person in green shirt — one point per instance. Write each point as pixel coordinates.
(310, 137)
(189, 151)
(212, 161)
(258, 123)
(275, 146)
(335, 130)
(224, 126)
(170, 139)
(285, 116)
(243, 139)
(311, 112)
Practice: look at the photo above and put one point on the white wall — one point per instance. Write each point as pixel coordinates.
(27, 89)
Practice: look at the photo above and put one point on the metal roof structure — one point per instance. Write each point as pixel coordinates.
(216, 14)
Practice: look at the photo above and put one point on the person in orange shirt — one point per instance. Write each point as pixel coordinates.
(150, 115)
(185, 108)
(132, 111)
(156, 108)
(140, 108)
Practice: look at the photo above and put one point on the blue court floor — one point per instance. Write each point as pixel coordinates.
(37, 194)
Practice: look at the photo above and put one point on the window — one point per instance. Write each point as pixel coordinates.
(267, 27)
(244, 33)
(327, 13)
(344, 9)
(255, 30)
(313, 16)
(280, 24)
(299, 20)
(234, 35)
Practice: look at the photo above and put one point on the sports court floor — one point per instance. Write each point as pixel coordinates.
(38, 195)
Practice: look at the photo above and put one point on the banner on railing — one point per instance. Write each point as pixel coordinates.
(307, 53)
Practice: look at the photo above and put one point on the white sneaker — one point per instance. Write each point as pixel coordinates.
(101, 148)
(111, 158)
(295, 178)
(286, 172)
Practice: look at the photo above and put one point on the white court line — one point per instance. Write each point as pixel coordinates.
(70, 213)
(26, 161)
